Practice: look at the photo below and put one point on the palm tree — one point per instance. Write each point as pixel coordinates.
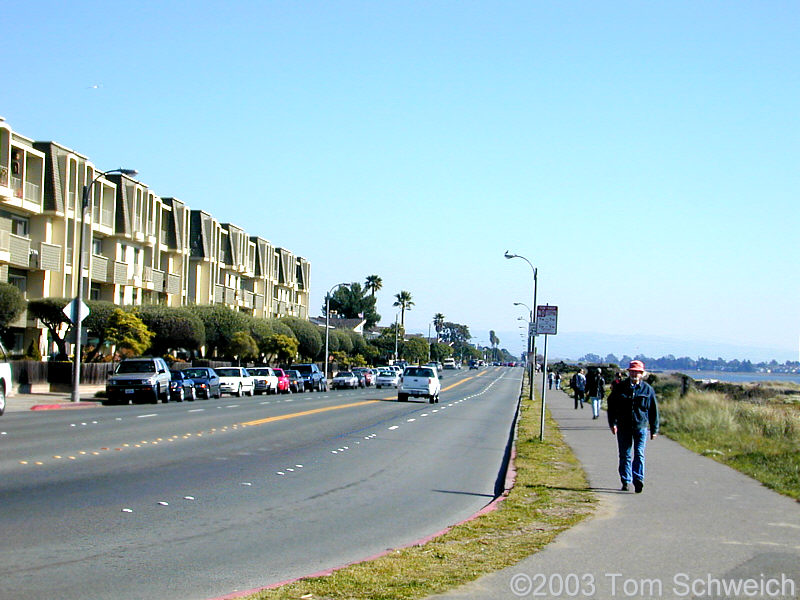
(405, 303)
(373, 284)
(438, 324)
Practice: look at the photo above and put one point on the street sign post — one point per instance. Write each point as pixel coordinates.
(546, 324)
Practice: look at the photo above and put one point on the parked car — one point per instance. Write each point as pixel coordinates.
(420, 382)
(313, 377)
(264, 379)
(345, 380)
(181, 387)
(283, 381)
(387, 378)
(206, 382)
(235, 381)
(365, 377)
(5, 378)
(295, 381)
(139, 379)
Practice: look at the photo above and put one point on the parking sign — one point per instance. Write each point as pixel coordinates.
(546, 320)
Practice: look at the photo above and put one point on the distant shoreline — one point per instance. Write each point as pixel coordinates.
(737, 377)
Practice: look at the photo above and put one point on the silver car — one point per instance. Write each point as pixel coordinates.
(387, 378)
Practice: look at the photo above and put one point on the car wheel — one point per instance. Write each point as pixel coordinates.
(402, 397)
(431, 399)
(377, 386)
(192, 395)
(239, 391)
(155, 398)
(2, 399)
(181, 395)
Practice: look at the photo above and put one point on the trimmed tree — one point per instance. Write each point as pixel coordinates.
(221, 323)
(50, 311)
(174, 327)
(308, 336)
(127, 331)
(243, 346)
(12, 304)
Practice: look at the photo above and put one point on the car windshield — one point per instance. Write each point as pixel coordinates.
(176, 375)
(384, 373)
(344, 374)
(258, 371)
(195, 373)
(137, 366)
(304, 369)
(418, 372)
(229, 372)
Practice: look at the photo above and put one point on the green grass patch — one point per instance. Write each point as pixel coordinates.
(759, 437)
(551, 494)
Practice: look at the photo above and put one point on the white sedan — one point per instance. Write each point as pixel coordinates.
(387, 378)
(235, 381)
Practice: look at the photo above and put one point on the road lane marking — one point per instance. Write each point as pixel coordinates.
(305, 413)
(147, 416)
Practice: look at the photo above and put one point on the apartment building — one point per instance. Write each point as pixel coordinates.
(139, 248)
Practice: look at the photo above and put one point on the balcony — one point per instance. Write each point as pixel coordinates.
(230, 296)
(258, 302)
(118, 272)
(100, 270)
(248, 299)
(158, 280)
(218, 294)
(3, 176)
(173, 284)
(19, 249)
(49, 256)
(16, 186)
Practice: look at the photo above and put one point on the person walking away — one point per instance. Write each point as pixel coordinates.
(549, 380)
(632, 410)
(578, 385)
(558, 381)
(596, 389)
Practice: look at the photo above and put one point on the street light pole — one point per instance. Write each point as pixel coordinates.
(75, 396)
(327, 323)
(532, 344)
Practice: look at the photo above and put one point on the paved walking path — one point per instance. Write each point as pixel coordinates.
(696, 520)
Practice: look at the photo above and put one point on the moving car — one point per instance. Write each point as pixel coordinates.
(449, 363)
(420, 382)
(387, 378)
(136, 379)
(345, 380)
(264, 379)
(235, 381)
(295, 381)
(206, 382)
(181, 387)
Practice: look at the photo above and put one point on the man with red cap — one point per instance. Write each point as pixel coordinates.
(632, 409)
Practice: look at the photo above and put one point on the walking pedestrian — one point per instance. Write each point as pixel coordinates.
(578, 385)
(549, 380)
(596, 389)
(558, 381)
(632, 409)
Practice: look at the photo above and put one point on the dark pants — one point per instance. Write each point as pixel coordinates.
(579, 397)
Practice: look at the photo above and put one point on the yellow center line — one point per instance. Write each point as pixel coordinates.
(306, 412)
(450, 387)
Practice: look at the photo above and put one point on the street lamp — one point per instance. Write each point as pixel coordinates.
(76, 310)
(532, 344)
(327, 321)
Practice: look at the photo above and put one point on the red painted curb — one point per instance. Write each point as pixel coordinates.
(511, 476)
(65, 405)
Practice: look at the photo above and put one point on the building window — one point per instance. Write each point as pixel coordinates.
(97, 246)
(19, 279)
(94, 292)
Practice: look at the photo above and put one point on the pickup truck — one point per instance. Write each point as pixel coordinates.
(420, 382)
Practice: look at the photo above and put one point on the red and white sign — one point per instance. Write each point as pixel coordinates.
(546, 320)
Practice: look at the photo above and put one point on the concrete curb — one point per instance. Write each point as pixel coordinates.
(65, 406)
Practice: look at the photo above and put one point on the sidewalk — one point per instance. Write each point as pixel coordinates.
(48, 401)
(697, 523)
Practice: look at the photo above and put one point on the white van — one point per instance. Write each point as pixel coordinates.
(449, 363)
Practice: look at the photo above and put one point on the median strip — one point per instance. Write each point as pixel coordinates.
(306, 412)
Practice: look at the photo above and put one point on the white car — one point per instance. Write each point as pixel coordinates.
(345, 380)
(235, 381)
(420, 382)
(264, 380)
(387, 378)
(5, 379)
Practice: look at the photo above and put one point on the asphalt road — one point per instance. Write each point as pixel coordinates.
(197, 500)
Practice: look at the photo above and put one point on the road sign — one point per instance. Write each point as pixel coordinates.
(76, 312)
(546, 320)
(531, 329)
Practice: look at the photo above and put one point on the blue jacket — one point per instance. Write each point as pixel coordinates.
(633, 407)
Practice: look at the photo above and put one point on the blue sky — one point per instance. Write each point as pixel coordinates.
(644, 156)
